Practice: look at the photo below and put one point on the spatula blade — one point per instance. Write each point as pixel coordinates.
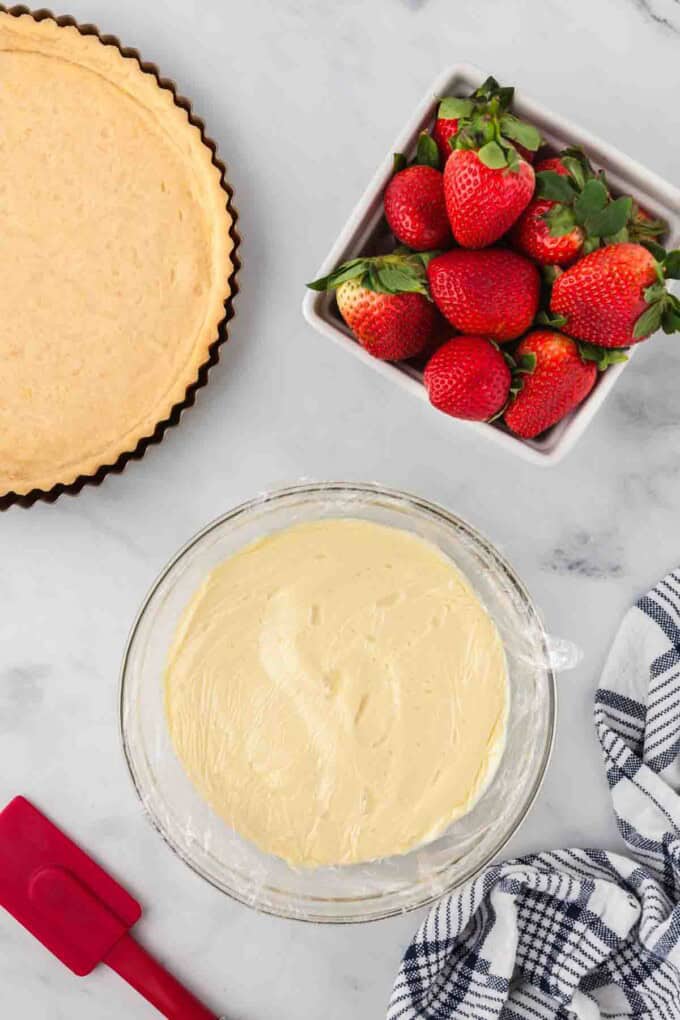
(29, 844)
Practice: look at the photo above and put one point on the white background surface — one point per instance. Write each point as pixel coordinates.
(304, 99)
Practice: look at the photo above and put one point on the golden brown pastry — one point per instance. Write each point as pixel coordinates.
(114, 246)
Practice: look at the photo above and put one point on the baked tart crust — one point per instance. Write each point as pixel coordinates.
(116, 245)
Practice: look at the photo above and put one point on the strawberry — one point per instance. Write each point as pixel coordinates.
(489, 100)
(468, 378)
(483, 201)
(415, 208)
(645, 227)
(571, 213)
(494, 292)
(532, 236)
(487, 183)
(444, 131)
(385, 302)
(559, 381)
(617, 296)
(553, 163)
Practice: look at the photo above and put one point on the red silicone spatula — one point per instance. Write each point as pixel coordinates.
(77, 911)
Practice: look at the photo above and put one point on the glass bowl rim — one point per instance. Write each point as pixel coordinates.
(418, 503)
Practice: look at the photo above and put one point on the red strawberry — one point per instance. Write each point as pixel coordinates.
(445, 128)
(385, 302)
(481, 116)
(390, 326)
(494, 292)
(483, 201)
(553, 163)
(468, 378)
(532, 236)
(645, 227)
(415, 208)
(616, 296)
(559, 381)
(572, 212)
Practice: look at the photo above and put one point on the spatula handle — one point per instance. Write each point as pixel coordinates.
(159, 987)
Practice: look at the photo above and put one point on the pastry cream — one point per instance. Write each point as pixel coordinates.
(337, 692)
(114, 246)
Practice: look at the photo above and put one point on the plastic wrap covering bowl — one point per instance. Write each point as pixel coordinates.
(359, 892)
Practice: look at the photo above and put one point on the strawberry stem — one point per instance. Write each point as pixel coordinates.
(401, 272)
(486, 126)
(603, 357)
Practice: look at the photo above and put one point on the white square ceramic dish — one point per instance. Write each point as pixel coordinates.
(365, 225)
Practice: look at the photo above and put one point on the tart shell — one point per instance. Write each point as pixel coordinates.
(8, 499)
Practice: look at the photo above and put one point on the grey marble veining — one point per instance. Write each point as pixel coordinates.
(663, 12)
(304, 100)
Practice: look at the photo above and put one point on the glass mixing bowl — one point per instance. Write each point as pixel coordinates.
(359, 892)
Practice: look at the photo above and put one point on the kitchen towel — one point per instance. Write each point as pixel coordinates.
(579, 933)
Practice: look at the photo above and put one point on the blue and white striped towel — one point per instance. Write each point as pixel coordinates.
(579, 933)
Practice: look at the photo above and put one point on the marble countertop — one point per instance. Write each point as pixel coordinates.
(304, 100)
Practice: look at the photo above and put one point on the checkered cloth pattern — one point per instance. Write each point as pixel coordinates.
(579, 933)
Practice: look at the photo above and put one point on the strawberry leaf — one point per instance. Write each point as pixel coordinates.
(485, 130)
(561, 220)
(546, 319)
(504, 96)
(649, 321)
(512, 156)
(400, 272)
(427, 153)
(592, 200)
(424, 257)
(656, 292)
(590, 244)
(618, 237)
(643, 227)
(351, 270)
(398, 162)
(486, 89)
(526, 363)
(602, 356)
(670, 320)
(655, 249)
(611, 219)
(372, 281)
(554, 187)
(490, 89)
(492, 155)
(549, 274)
(452, 108)
(576, 170)
(519, 131)
(396, 280)
(519, 367)
(672, 265)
